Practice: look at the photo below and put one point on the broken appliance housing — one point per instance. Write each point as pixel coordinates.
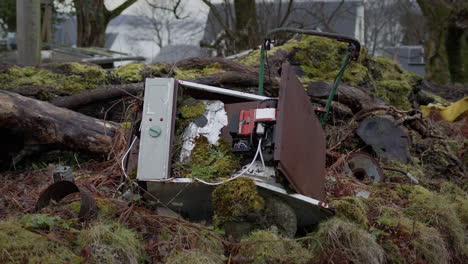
(292, 140)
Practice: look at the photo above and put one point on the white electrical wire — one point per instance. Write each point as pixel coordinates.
(124, 156)
(123, 167)
(263, 162)
(259, 150)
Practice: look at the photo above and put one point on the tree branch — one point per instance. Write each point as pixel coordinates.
(117, 11)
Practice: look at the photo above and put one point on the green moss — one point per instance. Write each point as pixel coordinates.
(349, 241)
(234, 200)
(155, 70)
(195, 257)
(413, 167)
(126, 125)
(428, 243)
(351, 208)
(92, 73)
(451, 189)
(19, 245)
(211, 162)
(112, 243)
(192, 73)
(268, 247)
(192, 111)
(437, 211)
(65, 78)
(39, 221)
(128, 73)
(392, 253)
(391, 82)
(107, 208)
(321, 58)
(394, 93)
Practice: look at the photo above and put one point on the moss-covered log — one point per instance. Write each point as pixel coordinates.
(99, 94)
(41, 124)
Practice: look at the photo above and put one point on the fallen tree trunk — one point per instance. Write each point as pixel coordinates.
(41, 124)
(98, 94)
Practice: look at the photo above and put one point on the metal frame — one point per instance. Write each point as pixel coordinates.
(214, 89)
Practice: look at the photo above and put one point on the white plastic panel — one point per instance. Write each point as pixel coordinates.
(156, 129)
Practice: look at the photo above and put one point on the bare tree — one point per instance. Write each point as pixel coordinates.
(166, 19)
(92, 19)
(381, 25)
(243, 22)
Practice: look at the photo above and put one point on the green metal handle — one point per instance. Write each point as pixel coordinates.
(353, 48)
(336, 83)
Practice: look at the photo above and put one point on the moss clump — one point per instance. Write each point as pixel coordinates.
(192, 111)
(92, 73)
(66, 78)
(112, 243)
(321, 58)
(128, 73)
(427, 242)
(268, 247)
(413, 167)
(195, 257)
(19, 245)
(39, 221)
(192, 73)
(391, 82)
(351, 208)
(349, 241)
(155, 70)
(235, 200)
(394, 93)
(439, 212)
(107, 208)
(211, 162)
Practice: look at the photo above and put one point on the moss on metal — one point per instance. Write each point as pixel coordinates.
(320, 60)
(212, 162)
(235, 200)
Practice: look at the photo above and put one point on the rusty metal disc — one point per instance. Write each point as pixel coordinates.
(364, 167)
(59, 190)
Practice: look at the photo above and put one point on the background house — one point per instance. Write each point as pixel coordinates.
(411, 58)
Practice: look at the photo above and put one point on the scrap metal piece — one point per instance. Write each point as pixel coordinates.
(364, 167)
(388, 140)
(299, 138)
(59, 190)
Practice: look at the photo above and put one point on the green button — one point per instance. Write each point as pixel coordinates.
(155, 131)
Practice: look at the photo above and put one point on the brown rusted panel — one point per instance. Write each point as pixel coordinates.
(299, 140)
